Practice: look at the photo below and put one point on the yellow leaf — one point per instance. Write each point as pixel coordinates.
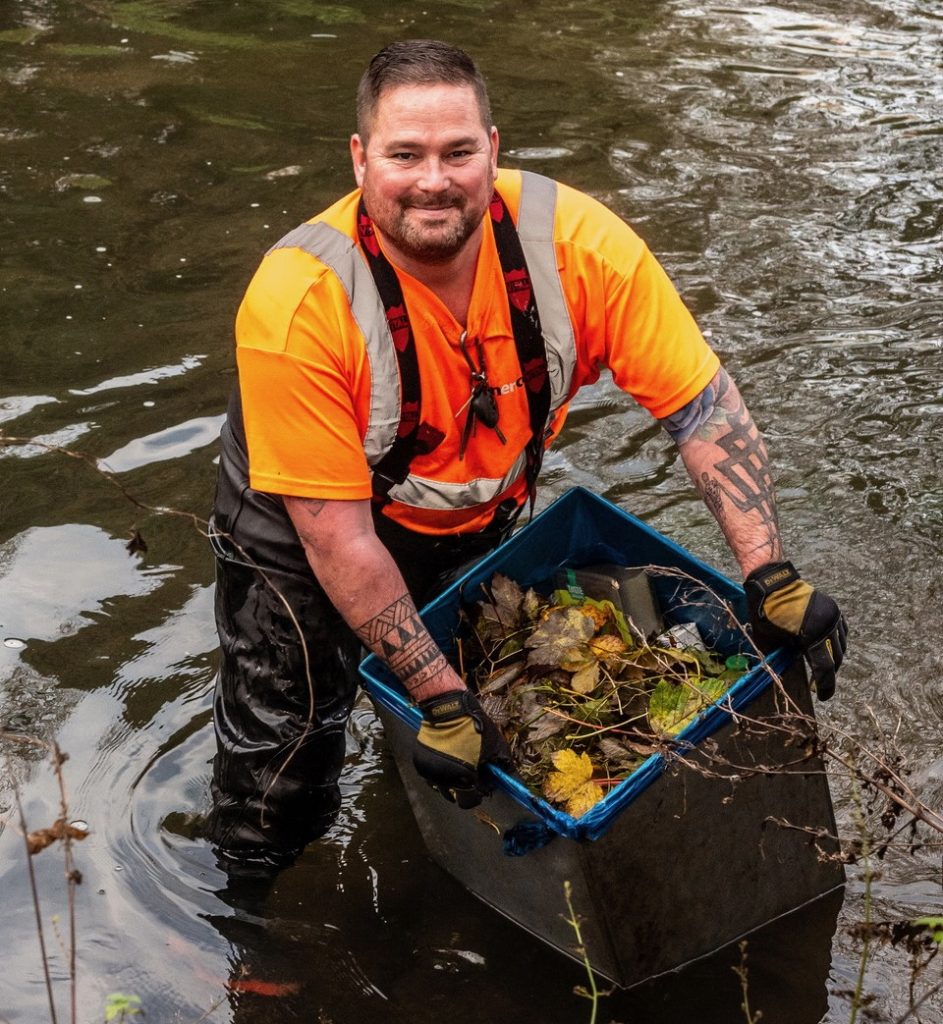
(576, 658)
(599, 615)
(607, 647)
(572, 783)
(585, 798)
(586, 679)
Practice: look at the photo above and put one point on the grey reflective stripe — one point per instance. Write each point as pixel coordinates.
(342, 255)
(535, 228)
(440, 496)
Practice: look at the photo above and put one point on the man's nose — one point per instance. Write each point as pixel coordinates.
(435, 176)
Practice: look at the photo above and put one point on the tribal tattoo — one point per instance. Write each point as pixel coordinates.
(744, 478)
(739, 477)
(398, 636)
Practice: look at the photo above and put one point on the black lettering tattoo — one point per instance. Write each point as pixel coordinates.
(713, 497)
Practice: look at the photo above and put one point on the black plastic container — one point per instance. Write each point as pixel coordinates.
(672, 864)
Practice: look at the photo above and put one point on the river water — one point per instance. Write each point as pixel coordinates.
(782, 161)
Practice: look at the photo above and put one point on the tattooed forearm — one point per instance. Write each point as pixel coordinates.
(402, 610)
(701, 411)
(398, 636)
(726, 457)
(713, 495)
(743, 477)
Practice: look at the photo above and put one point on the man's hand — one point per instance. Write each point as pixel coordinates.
(455, 741)
(785, 609)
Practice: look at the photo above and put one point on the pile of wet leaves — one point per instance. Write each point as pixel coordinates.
(581, 697)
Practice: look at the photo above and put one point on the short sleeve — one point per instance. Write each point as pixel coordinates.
(302, 377)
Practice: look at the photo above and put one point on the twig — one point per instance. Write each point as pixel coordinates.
(868, 878)
(107, 474)
(72, 876)
(914, 1007)
(210, 1009)
(592, 993)
(743, 975)
(35, 894)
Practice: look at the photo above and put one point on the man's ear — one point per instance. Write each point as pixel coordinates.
(358, 156)
(494, 149)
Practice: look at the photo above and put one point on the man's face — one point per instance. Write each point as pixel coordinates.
(427, 171)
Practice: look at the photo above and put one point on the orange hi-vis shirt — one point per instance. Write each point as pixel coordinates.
(305, 375)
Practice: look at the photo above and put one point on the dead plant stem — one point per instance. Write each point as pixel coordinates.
(39, 917)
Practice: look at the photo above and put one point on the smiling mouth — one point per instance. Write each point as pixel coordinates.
(434, 209)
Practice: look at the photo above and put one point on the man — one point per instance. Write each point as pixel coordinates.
(404, 358)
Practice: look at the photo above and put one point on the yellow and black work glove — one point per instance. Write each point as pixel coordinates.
(785, 609)
(455, 741)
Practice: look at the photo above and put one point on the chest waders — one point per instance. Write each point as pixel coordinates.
(288, 662)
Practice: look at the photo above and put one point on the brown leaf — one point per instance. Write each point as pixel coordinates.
(530, 607)
(538, 724)
(506, 598)
(624, 754)
(607, 647)
(497, 708)
(42, 837)
(137, 544)
(576, 659)
(560, 632)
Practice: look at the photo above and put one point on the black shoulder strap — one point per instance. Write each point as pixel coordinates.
(528, 337)
(413, 437)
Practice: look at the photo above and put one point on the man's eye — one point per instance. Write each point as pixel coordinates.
(403, 157)
(459, 154)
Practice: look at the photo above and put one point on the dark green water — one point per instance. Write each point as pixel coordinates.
(783, 162)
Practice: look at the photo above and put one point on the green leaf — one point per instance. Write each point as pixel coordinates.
(87, 50)
(81, 181)
(20, 35)
(119, 1006)
(674, 705)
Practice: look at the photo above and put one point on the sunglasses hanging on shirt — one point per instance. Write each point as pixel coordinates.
(481, 404)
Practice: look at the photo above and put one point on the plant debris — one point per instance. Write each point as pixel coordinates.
(40, 838)
(580, 696)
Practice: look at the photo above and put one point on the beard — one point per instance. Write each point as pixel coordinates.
(428, 241)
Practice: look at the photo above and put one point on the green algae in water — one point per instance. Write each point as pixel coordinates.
(20, 36)
(87, 50)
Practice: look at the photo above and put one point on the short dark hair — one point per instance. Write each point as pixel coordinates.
(417, 62)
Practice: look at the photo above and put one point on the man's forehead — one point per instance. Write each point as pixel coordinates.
(409, 94)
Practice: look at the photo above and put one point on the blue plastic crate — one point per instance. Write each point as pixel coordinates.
(580, 529)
